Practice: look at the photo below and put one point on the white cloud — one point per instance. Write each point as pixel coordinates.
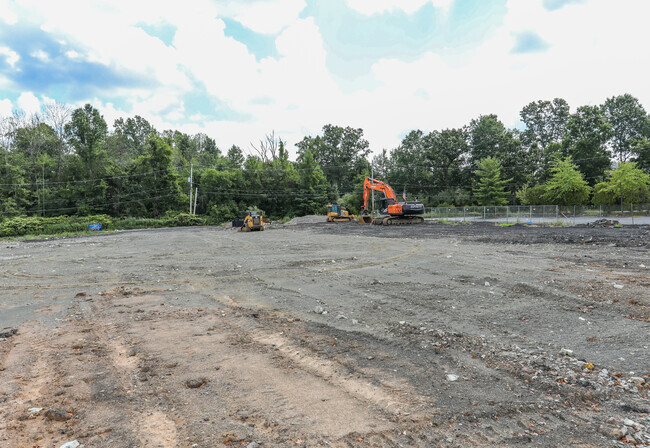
(11, 56)
(7, 15)
(71, 54)
(409, 6)
(41, 56)
(5, 107)
(595, 51)
(28, 103)
(268, 17)
(593, 54)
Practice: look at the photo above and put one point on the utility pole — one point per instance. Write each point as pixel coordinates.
(372, 175)
(190, 180)
(43, 165)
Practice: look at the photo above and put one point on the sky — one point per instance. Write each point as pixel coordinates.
(238, 70)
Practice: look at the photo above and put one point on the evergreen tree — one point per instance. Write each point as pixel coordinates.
(490, 188)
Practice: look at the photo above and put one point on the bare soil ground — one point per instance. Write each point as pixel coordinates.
(336, 335)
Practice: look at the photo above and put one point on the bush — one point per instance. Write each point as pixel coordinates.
(185, 219)
(21, 225)
(34, 225)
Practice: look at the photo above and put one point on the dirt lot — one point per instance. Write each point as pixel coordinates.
(334, 335)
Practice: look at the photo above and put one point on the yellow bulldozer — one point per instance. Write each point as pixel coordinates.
(252, 222)
(336, 213)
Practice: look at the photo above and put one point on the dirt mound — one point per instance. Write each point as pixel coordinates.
(309, 219)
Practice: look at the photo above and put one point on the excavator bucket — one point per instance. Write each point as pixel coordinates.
(365, 219)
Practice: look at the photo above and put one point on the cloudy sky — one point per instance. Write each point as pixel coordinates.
(238, 70)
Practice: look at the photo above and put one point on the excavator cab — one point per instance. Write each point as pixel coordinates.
(335, 208)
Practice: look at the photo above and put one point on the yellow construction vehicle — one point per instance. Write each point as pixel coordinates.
(252, 222)
(336, 213)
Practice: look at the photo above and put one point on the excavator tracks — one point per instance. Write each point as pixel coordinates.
(398, 221)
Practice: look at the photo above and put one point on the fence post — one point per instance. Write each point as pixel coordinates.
(557, 212)
(600, 211)
(574, 215)
(484, 213)
(507, 213)
(464, 213)
(632, 212)
(530, 215)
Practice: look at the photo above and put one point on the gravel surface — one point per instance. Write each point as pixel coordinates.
(318, 334)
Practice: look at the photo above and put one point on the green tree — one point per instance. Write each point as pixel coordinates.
(446, 152)
(545, 122)
(157, 190)
(490, 188)
(313, 196)
(235, 157)
(340, 152)
(534, 195)
(629, 122)
(587, 133)
(132, 135)
(642, 151)
(566, 185)
(626, 183)
(490, 138)
(407, 165)
(86, 133)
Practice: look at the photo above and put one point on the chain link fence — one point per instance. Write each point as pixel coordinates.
(543, 214)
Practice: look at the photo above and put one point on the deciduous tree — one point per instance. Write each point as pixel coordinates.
(567, 185)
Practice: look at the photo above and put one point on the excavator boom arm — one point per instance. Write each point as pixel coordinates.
(373, 184)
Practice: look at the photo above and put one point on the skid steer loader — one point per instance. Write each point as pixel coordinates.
(252, 222)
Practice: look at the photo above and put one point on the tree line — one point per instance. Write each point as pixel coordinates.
(66, 161)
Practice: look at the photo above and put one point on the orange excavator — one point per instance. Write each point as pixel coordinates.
(395, 212)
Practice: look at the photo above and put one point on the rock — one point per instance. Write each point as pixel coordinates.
(487, 283)
(34, 411)
(319, 310)
(637, 380)
(617, 286)
(81, 294)
(253, 445)
(195, 384)
(56, 415)
(566, 352)
(614, 433)
(8, 334)
(73, 444)
(628, 422)
(452, 377)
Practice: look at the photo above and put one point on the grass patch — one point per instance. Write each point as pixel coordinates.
(48, 236)
(506, 224)
(559, 223)
(452, 222)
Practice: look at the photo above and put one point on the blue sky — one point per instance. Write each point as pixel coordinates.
(239, 70)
